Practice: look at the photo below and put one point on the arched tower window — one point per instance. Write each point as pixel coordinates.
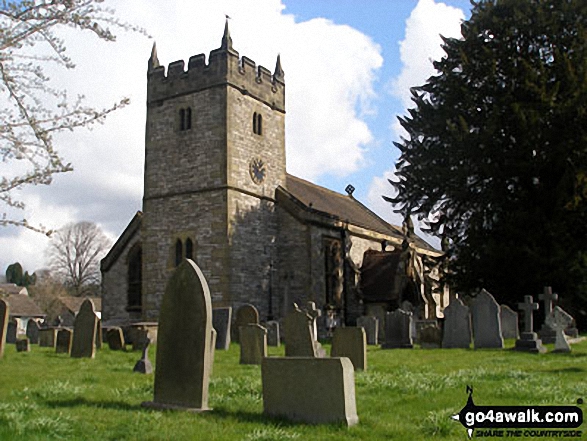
(257, 123)
(189, 249)
(181, 119)
(135, 278)
(178, 252)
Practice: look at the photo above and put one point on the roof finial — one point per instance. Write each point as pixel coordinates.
(278, 74)
(153, 60)
(226, 40)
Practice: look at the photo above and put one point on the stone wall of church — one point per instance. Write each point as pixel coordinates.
(115, 286)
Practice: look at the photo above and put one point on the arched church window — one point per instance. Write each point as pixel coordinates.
(257, 123)
(135, 278)
(189, 249)
(178, 252)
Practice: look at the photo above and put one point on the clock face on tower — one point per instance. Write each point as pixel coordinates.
(258, 170)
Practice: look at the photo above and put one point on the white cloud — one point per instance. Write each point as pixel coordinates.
(329, 71)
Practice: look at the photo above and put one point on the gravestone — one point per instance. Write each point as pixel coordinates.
(139, 337)
(221, 319)
(63, 341)
(509, 322)
(4, 314)
(273, 337)
(115, 338)
(430, 337)
(309, 390)
(299, 338)
(351, 343)
(47, 337)
(457, 326)
(213, 335)
(245, 315)
(398, 330)
(529, 341)
(11, 331)
(99, 336)
(546, 333)
(182, 373)
(560, 320)
(144, 366)
(486, 323)
(22, 345)
(253, 344)
(85, 327)
(32, 332)
(371, 326)
(314, 313)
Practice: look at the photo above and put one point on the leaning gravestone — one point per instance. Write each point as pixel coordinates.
(32, 332)
(314, 313)
(4, 314)
(546, 333)
(85, 327)
(352, 343)
(273, 337)
(245, 315)
(63, 341)
(253, 341)
(221, 318)
(560, 320)
(11, 331)
(115, 338)
(144, 366)
(457, 326)
(47, 337)
(509, 322)
(529, 341)
(299, 339)
(22, 345)
(486, 324)
(182, 373)
(371, 326)
(398, 330)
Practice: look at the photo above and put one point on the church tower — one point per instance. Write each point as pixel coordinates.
(214, 156)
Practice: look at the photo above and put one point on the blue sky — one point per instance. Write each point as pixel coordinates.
(348, 68)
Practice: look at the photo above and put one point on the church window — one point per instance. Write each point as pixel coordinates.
(257, 124)
(178, 252)
(185, 119)
(135, 278)
(189, 249)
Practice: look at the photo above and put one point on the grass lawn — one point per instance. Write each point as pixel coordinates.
(404, 395)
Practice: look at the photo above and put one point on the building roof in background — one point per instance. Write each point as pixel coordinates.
(74, 303)
(11, 288)
(23, 306)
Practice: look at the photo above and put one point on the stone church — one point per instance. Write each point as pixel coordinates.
(216, 190)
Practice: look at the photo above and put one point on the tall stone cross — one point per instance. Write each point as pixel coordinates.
(528, 308)
(548, 298)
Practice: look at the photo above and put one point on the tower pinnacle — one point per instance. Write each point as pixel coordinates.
(153, 60)
(278, 74)
(226, 40)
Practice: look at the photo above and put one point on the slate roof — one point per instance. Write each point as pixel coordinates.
(23, 306)
(74, 303)
(11, 288)
(343, 207)
(131, 229)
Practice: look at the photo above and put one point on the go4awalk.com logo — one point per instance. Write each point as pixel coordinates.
(518, 421)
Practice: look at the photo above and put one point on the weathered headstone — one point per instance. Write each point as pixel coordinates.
(11, 331)
(486, 324)
(139, 337)
(509, 322)
(144, 366)
(182, 375)
(398, 330)
(99, 336)
(371, 326)
(22, 345)
(351, 343)
(213, 335)
(546, 333)
(63, 341)
(221, 319)
(457, 326)
(85, 327)
(47, 337)
(4, 314)
(309, 390)
(299, 339)
(245, 315)
(529, 341)
(253, 344)
(314, 313)
(430, 337)
(273, 337)
(32, 332)
(115, 338)
(559, 320)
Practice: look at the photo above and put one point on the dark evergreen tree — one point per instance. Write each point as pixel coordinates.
(495, 160)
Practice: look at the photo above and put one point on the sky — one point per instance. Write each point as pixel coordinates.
(349, 66)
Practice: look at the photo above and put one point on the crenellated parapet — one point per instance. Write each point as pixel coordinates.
(224, 67)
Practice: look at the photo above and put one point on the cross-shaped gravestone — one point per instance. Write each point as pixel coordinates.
(548, 298)
(528, 308)
(314, 313)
